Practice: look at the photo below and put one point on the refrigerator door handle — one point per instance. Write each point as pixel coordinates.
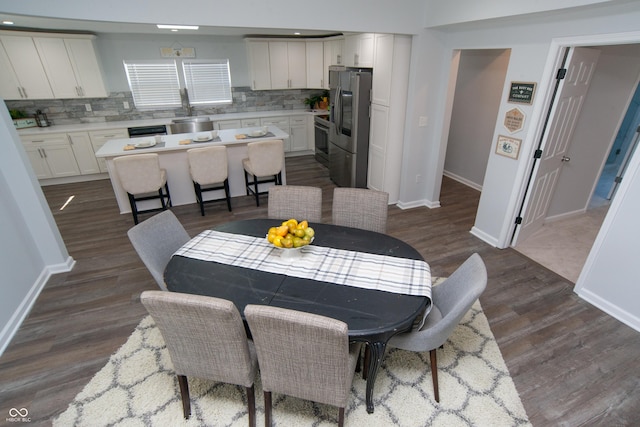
(339, 110)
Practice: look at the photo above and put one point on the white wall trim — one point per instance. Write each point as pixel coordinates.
(606, 306)
(23, 309)
(484, 236)
(565, 215)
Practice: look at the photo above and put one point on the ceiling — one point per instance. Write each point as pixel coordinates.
(54, 24)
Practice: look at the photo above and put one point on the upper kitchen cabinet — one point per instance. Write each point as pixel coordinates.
(23, 76)
(332, 56)
(72, 67)
(315, 64)
(359, 50)
(288, 63)
(259, 64)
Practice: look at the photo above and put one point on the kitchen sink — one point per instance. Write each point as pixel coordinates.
(191, 125)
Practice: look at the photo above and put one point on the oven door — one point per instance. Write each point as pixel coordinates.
(321, 143)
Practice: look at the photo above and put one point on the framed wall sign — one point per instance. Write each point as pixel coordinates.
(514, 120)
(522, 92)
(508, 147)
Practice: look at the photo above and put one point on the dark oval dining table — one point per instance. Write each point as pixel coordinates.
(372, 316)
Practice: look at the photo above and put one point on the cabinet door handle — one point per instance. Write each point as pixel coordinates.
(44, 152)
(81, 90)
(356, 58)
(24, 91)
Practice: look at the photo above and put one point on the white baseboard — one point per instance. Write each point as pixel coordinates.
(612, 310)
(462, 180)
(418, 203)
(23, 309)
(484, 237)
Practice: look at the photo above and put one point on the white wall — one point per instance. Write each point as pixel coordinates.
(31, 249)
(604, 107)
(477, 96)
(115, 48)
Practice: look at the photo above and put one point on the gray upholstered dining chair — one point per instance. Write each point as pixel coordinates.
(155, 240)
(142, 178)
(265, 163)
(206, 338)
(209, 171)
(451, 300)
(303, 355)
(360, 208)
(295, 201)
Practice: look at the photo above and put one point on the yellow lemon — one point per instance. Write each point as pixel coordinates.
(277, 241)
(271, 236)
(303, 224)
(273, 230)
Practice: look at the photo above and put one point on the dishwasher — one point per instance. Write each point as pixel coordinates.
(140, 131)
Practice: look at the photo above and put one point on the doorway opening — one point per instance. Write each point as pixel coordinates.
(569, 224)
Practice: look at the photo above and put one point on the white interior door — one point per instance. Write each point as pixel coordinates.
(581, 64)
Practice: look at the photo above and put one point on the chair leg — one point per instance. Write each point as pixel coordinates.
(246, 182)
(226, 192)
(251, 404)
(162, 202)
(255, 184)
(134, 209)
(198, 191)
(184, 391)
(166, 187)
(340, 417)
(434, 373)
(267, 409)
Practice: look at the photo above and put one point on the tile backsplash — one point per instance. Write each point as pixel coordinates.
(112, 109)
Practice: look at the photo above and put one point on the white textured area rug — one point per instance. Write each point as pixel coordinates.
(137, 387)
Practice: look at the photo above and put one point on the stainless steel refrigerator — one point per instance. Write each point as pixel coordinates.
(350, 100)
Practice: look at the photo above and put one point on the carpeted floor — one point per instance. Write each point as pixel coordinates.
(137, 387)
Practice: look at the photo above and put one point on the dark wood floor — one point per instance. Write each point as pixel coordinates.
(572, 364)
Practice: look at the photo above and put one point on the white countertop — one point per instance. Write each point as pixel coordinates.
(84, 127)
(116, 147)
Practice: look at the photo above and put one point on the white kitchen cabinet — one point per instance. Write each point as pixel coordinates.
(100, 137)
(378, 141)
(228, 124)
(259, 64)
(332, 56)
(281, 123)
(51, 156)
(359, 50)
(315, 64)
(71, 66)
(288, 67)
(23, 76)
(383, 67)
(298, 133)
(250, 123)
(83, 152)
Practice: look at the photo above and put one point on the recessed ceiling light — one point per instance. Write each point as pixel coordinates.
(7, 22)
(177, 27)
(296, 33)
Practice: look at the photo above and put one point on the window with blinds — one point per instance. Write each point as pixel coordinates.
(154, 84)
(208, 81)
(157, 84)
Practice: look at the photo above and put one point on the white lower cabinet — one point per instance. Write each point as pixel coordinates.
(83, 152)
(283, 124)
(250, 123)
(100, 137)
(51, 156)
(298, 132)
(228, 124)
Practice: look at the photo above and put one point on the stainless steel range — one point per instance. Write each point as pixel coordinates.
(321, 128)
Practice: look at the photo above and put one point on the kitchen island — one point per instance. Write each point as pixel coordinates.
(172, 151)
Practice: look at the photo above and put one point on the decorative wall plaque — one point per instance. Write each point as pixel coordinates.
(522, 92)
(178, 52)
(514, 120)
(508, 147)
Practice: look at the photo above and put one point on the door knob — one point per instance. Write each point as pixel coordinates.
(566, 159)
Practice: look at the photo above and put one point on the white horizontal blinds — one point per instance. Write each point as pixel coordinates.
(208, 81)
(154, 83)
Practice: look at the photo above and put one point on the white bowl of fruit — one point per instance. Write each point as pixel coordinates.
(291, 236)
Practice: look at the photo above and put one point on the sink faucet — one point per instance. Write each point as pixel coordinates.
(184, 99)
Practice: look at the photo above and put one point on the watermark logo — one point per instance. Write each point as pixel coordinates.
(18, 415)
